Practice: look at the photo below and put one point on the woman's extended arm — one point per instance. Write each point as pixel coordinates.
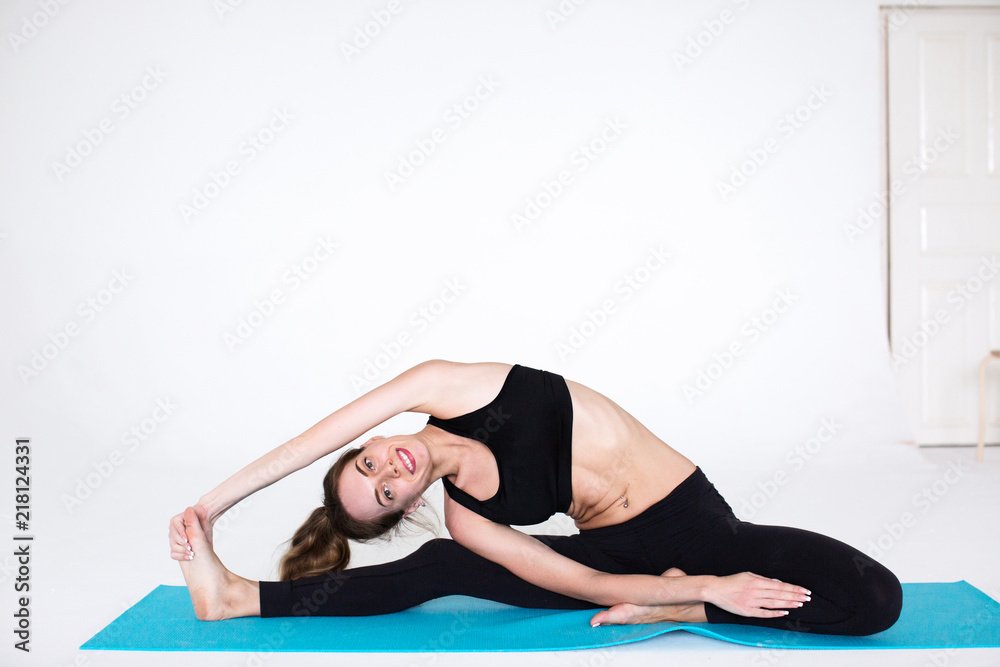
(529, 559)
(538, 564)
(410, 391)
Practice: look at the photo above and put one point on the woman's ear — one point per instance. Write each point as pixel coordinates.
(417, 504)
(372, 439)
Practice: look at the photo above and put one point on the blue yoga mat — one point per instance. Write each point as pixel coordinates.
(935, 615)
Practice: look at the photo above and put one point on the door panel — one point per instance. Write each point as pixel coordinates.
(943, 75)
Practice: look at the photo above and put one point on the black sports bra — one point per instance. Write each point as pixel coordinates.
(529, 428)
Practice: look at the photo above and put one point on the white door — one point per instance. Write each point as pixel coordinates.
(943, 75)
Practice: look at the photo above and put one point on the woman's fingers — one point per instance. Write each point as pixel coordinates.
(772, 598)
(180, 549)
(180, 553)
(177, 533)
(784, 595)
(777, 603)
(792, 588)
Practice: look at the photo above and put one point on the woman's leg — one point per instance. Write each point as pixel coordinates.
(851, 594)
(439, 567)
(697, 532)
(694, 529)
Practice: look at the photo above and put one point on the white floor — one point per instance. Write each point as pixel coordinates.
(953, 538)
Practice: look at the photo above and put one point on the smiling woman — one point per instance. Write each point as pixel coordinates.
(322, 544)
(513, 446)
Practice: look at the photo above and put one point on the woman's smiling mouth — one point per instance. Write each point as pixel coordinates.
(407, 458)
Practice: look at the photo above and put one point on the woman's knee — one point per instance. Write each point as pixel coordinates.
(442, 550)
(880, 601)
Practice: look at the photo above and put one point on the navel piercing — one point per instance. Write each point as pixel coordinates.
(622, 497)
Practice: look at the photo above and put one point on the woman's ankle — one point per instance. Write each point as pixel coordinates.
(242, 597)
(692, 613)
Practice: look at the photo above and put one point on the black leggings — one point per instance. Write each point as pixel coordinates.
(692, 528)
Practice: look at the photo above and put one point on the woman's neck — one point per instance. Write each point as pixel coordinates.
(449, 453)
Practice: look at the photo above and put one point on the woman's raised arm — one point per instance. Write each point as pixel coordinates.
(410, 391)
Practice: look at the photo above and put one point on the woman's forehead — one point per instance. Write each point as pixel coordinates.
(357, 494)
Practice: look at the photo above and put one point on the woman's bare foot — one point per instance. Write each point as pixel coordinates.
(216, 593)
(630, 614)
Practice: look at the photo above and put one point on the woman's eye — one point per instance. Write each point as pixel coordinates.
(369, 465)
(387, 492)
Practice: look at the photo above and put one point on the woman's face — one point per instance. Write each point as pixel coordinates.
(389, 475)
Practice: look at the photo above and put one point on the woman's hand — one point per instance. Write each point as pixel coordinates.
(749, 594)
(179, 547)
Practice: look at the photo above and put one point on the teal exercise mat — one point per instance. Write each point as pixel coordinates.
(935, 615)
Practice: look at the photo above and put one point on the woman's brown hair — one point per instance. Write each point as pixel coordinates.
(320, 545)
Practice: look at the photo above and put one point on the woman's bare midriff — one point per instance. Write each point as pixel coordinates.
(615, 455)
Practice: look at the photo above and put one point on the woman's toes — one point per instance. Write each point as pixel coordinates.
(192, 527)
(600, 618)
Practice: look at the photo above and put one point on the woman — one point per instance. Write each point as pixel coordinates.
(512, 446)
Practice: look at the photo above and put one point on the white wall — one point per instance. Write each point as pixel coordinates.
(681, 131)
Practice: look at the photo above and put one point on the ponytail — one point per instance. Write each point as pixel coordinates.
(315, 549)
(320, 545)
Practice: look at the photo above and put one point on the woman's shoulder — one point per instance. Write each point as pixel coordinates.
(443, 370)
(455, 388)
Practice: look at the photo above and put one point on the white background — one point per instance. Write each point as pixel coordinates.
(68, 224)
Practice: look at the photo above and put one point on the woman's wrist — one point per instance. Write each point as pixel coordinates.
(688, 589)
(213, 511)
(706, 588)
